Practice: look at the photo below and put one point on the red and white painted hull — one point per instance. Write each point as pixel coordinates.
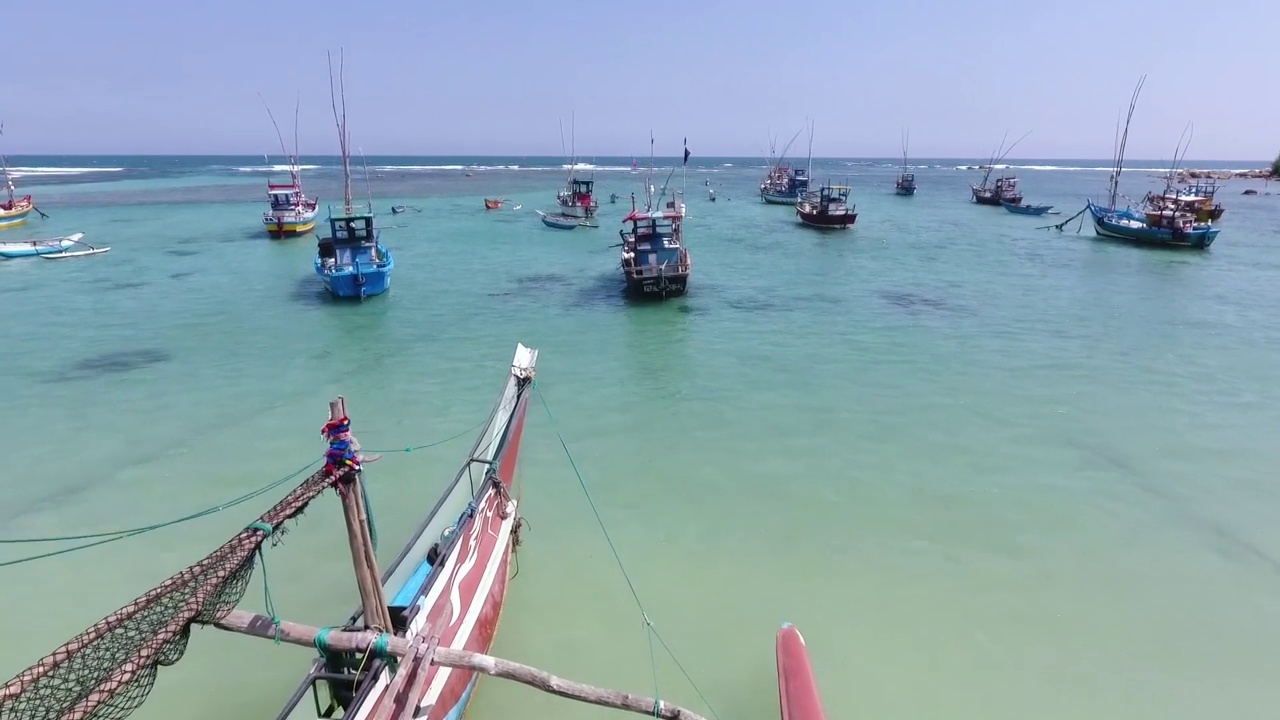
(455, 598)
(797, 688)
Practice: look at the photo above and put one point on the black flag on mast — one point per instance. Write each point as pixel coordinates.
(686, 151)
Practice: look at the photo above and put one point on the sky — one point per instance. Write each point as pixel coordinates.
(434, 77)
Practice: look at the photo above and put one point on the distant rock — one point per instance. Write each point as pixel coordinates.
(1188, 175)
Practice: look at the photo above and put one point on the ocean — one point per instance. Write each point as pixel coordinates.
(989, 470)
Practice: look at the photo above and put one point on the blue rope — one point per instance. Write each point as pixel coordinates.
(652, 631)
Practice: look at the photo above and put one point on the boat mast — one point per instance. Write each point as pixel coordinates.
(906, 141)
(293, 161)
(340, 118)
(809, 171)
(1124, 140)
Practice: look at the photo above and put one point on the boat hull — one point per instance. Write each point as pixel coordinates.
(656, 287)
(282, 227)
(1106, 225)
(582, 212)
(905, 190)
(798, 696)
(16, 216)
(349, 283)
(780, 198)
(1026, 209)
(561, 222)
(33, 248)
(836, 221)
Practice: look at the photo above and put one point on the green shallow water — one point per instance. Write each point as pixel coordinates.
(989, 471)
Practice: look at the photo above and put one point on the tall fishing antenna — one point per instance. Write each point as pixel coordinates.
(279, 136)
(1001, 153)
(809, 171)
(1124, 140)
(297, 162)
(341, 120)
(4, 165)
(906, 141)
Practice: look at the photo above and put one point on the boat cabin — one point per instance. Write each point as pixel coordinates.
(284, 197)
(655, 240)
(579, 192)
(352, 237)
(907, 180)
(1006, 187)
(831, 198)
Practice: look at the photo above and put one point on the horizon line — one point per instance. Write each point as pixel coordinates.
(1004, 161)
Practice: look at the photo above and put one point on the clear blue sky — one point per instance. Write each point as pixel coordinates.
(493, 76)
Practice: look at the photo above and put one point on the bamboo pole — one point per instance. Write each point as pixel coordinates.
(372, 599)
(247, 623)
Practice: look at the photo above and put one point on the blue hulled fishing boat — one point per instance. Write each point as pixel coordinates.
(1171, 226)
(784, 185)
(351, 262)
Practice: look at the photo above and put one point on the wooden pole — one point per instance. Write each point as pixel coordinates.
(246, 623)
(372, 599)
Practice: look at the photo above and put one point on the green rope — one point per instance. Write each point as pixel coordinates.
(381, 649)
(322, 640)
(411, 448)
(266, 587)
(652, 631)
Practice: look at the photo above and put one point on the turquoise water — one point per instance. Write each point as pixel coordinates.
(990, 471)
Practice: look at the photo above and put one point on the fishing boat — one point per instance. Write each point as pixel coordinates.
(351, 261)
(292, 212)
(1004, 188)
(46, 246)
(784, 184)
(827, 209)
(798, 695)
(655, 262)
(14, 210)
(1174, 226)
(492, 204)
(449, 581)
(1197, 199)
(560, 222)
(906, 182)
(577, 199)
(1025, 208)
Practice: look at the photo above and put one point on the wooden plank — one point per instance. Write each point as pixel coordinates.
(359, 641)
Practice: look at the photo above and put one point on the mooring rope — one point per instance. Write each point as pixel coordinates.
(110, 536)
(651, 631)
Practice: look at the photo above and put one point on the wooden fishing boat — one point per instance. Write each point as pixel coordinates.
(560, 222)
(784, 184)
(1170, 227)
(292, 212)
(655, 262)
(828, 209)
(577, 199)
(448, 582)
(1002, 189)
(492, 204)
(798, 695)
(14, 210)
(1197, 199)
(352, 262)
(1025, 209)
(46, 246)
(906, 182)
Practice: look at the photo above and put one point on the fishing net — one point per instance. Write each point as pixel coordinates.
(108, 670)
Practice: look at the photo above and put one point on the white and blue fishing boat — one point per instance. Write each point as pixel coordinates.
(1172, 227)
(352, 262)
(32, 248)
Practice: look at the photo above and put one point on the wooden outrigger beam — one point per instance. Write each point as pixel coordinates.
(246, 623)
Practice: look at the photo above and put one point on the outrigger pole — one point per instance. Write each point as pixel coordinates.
(423, 655)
